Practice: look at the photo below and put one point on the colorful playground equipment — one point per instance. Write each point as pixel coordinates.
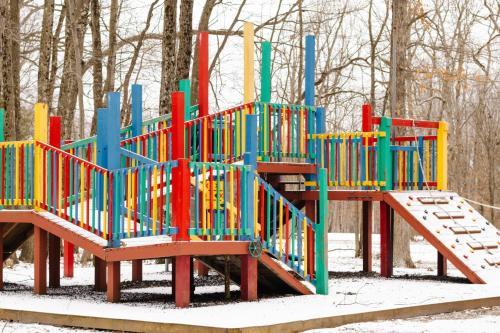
(194, 184)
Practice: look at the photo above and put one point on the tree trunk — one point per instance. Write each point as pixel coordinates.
(202, 26)
(69, 81)
(53, 60)
(167, 85)
(185, 40)
(97, 84)
(45, 52)
(399, 43)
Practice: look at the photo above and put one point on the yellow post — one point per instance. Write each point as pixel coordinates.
(248, 38)
(40, 134)
(442, 156)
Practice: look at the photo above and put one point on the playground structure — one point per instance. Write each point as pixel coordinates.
(194, 184)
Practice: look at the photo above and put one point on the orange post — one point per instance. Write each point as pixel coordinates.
(203, 74)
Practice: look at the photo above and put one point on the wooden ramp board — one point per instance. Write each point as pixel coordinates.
(273, 278)
(462, 235)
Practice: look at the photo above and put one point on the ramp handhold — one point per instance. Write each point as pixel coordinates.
(433, 200)
(466, 230)
(449, 215)
(478, 245)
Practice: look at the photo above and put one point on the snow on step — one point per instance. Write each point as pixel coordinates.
(74, 228)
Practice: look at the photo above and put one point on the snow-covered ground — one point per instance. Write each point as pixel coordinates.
(151, 300)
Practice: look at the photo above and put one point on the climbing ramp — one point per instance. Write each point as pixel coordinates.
(462, 235)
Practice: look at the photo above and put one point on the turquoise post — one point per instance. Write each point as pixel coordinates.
(384, 154)
(321, 236)
(265, 73)
(185, 87)
(2, 121)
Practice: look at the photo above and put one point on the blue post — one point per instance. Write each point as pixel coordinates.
(250, 159)
(136, 109)
(108, 151)
(310, 62)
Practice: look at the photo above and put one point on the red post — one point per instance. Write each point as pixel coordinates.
(113, 291)
(367, 235)
(248, 286)
(40, 245)
(180, 174)
(1, 256)
(137, 270)
(385, 240)
(366, 120)
(203, 74)
(442, 265)
(311, 214)
(99, 274)
(69, 258)
(182, 286)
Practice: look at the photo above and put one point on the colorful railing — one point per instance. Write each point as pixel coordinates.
(220, 201)
(286, 232)
(73, 189)
(351, 159)
(414, 162)
(140, 198)
(284, 131)
(16, 173)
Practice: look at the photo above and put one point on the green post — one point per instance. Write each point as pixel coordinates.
(384, 154)
(321, 237)
(185, 87)
(265, 73)
(2, 119)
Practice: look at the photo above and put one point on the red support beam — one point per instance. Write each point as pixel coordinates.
(367, 235)
(99, 274)
(310, 208)
(182, 285)
(54, 261)
(442, 265)
(203, 74)
(1, 256)
(69, 259)
(137, 270)
(398, 122)
(113, 290)
(385, 240)
(248, 286)
(40, 249)
(201, 268)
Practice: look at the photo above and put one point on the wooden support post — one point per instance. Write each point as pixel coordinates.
(54, 261)
(113, 290)
(385, 240)
(69, 259)
(137, 270)
(40, 249)
(442, 265)
(248, 286)
(182, 288)
(367, 235)
(99, 274)
(1, 255)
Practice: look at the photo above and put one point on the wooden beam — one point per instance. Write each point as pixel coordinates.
(40, 261)
(1, 255)
(113, 287)
(99, 274)
(248, 285)
(336, 195)
(286, 169)
(182, 281)
(442, 266)
(385, 240)
(367, 235)
(137, 270)
(54, 261)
